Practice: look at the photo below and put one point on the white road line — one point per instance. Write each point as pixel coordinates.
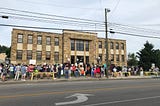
(121, 101)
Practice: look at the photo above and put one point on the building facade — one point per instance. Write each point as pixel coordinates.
(73, 46)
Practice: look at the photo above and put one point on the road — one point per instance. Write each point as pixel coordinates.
(142, 92)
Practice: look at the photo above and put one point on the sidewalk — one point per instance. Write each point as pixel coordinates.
(11, 81)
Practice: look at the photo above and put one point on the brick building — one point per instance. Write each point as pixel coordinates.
(76, 46)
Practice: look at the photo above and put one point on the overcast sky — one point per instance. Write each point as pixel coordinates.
(136, 13)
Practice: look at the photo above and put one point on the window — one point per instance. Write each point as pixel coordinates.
(100, 44)
(29, 54)
(117, 45)
(56, 42)
(19, 54)
(117, 57)
(122, 46)
(111, 45)
(48, 55)
(39, 40)
(122, 58)
(19, 38)
(112, 57)
(87, 45)
(48, 41)
(39, 55)
(56, 56)
(72, 44)
(87, 59)
(80, 45)
(30, 39)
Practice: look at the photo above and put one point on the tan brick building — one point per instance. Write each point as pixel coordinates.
(51, 48)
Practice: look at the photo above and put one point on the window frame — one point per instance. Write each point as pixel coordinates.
(39, 41)
(19, 54)
(56, 41)
(39, 55)
(29, 54)
(30, 39)
(56, 56)
(48, 40)
(19, 38)
(48, 55)
(72, 45)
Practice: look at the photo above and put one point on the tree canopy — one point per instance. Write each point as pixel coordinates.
(5, 49)
(147, 56)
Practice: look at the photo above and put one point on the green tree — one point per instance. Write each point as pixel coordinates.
(146, 56)
(132, 60)
(5, 49)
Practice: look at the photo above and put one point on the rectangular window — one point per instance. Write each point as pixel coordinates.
(79, 45)
(87, 45)
(117, 57)
(48, 55)
(72, 44)
(100, 44)
(19, 38)
(19, 54)
(112, 57)
(29, 54)
(56, 42)
(111, 45)
(123, 58)
(39, 40)
(87, 59)
(30, 39)
(48, 40)
(39, 55)
(117, 45)
(122, 46)
(56, 56)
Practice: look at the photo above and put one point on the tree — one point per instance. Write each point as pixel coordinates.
(132, 60)
(146, 56)
(5, 49)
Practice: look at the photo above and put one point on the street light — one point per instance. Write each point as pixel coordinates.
(106, 31)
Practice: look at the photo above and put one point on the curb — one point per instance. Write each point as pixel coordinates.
(78, 79)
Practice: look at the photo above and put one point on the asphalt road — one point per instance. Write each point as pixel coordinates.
(143, 92)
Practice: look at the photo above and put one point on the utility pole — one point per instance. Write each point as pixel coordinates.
(106, 43)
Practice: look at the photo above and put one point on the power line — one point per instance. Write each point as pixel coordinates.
(37, 13)
(47, 18)
(48, 28)
(74, 22)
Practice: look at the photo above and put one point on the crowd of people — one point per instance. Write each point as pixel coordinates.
(24, 72)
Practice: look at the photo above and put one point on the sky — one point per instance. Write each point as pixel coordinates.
(138, 17)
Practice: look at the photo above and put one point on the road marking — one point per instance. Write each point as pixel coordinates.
(75, 91)
(122, 101)
(80, 98)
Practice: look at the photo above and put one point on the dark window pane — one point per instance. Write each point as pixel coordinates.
(29, 54)
(72, 44)
(19, 54)
(39, 55)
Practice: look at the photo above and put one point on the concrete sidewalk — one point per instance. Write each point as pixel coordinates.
(11, 81)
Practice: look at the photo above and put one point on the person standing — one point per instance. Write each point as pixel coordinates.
(18, 71)
(23, 71)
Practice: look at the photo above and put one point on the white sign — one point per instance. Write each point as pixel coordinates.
(80, 98)
(32, 62)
